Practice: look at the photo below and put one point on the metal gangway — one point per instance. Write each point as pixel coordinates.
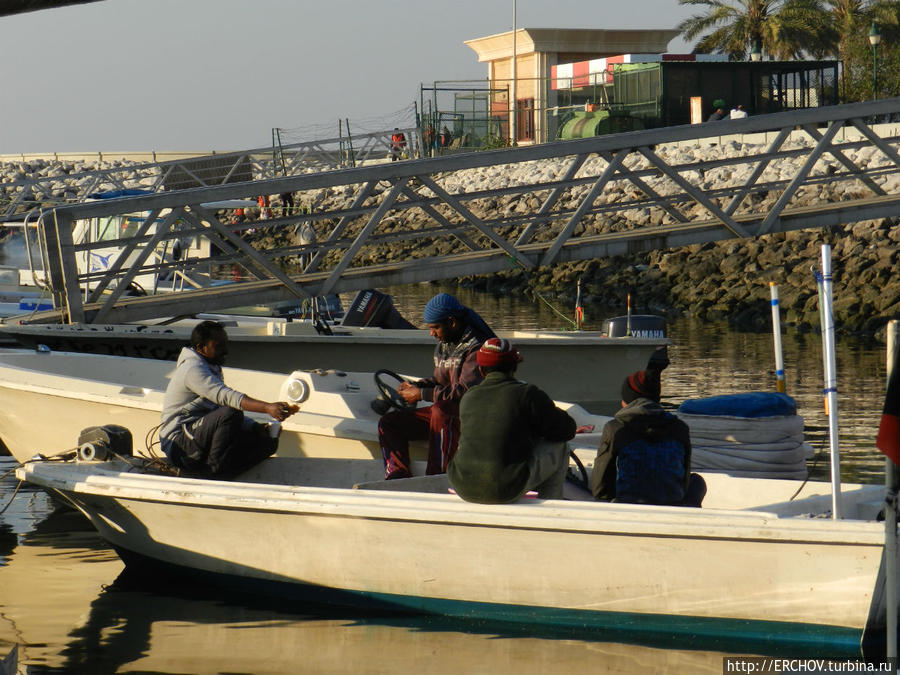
(480, 213)
(19, 197)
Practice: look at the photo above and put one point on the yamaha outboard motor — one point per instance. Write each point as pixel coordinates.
(372, 308)
(102, 443)
(641, 326)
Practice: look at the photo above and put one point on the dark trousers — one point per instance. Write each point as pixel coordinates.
(437, 423)
(219, 445)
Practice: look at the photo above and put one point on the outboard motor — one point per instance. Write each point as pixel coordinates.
(641, 326)
(97, 444)
(376, 309)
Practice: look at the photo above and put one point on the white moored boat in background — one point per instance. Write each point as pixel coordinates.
(47, 397)
(583, 367)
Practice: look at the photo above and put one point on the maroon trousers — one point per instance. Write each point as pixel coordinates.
(437, 423)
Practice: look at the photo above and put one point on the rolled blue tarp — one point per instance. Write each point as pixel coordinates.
(750, 404)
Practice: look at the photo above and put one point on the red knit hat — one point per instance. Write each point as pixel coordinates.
(497, 352)
(642, 384)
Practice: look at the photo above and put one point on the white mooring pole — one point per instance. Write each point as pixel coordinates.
(830, 389)
(776, 332)
(890, 512)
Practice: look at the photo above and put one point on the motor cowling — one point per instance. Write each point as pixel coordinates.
(641, 326)
(97, 444)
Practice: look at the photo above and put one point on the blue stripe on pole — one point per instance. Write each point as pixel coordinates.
(829, 390)
(779, 373)
(774, 301)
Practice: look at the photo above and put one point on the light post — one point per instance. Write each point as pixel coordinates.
(755, 51)
(513, 131)
(875, 40)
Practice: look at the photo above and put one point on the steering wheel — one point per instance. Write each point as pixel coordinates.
(390, 393)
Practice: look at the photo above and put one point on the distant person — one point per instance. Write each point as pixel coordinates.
(203, 428)
(445, 138)
(460, 332)
(718, 114)
(738, 113)
(644, 455)
(512, 437)
(265, 211)
(398, 145)
(287, 203)
(428, 138)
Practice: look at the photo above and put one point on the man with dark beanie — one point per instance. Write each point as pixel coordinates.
(644, 455)
(460, 331)
(512, 436)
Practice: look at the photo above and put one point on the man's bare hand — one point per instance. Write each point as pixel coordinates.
(281, 410)
(409, 392)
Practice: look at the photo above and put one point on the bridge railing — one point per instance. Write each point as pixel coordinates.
(479, 213)
(20, 196)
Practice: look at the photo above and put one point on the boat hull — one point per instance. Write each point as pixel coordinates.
(737, 575)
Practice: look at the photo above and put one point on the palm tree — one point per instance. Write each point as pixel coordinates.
(784, 29)
(852, 20)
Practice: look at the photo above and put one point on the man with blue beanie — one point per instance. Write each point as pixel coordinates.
(460, 331)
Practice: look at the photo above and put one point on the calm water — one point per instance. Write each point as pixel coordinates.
(65, 600)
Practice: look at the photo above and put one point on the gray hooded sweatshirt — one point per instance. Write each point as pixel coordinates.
(196, 389)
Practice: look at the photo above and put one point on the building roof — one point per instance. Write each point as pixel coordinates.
(590, 41)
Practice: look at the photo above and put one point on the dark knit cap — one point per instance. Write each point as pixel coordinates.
(642, 384)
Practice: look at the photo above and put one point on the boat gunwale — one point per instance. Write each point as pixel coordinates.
(447, 509)
(531, 338)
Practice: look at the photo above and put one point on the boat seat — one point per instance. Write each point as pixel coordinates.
(436, 484)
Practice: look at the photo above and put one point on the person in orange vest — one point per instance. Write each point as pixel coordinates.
(398, 144)
(265, 212)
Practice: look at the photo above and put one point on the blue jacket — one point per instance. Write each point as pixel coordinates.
(644, 456)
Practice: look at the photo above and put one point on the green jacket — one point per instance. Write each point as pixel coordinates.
(501, 421)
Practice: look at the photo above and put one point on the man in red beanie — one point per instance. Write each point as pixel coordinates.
(512, 436)
(645, 452)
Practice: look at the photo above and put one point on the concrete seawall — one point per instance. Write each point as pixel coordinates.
(143, 156)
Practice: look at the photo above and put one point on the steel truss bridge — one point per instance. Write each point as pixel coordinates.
(480, 213)
(20, 196)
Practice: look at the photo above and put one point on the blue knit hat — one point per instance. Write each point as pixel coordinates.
(441, 307)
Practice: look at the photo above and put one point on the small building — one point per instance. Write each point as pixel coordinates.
(654, 90)
(536, 52)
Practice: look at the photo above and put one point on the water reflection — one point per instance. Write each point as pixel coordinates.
(173, 630)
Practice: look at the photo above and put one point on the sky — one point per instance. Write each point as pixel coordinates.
(201, 75)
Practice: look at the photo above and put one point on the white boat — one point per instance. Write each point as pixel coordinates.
(584, 367)
(47, 398)
(752, 567)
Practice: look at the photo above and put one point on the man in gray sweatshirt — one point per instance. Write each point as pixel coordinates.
(203, 429)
